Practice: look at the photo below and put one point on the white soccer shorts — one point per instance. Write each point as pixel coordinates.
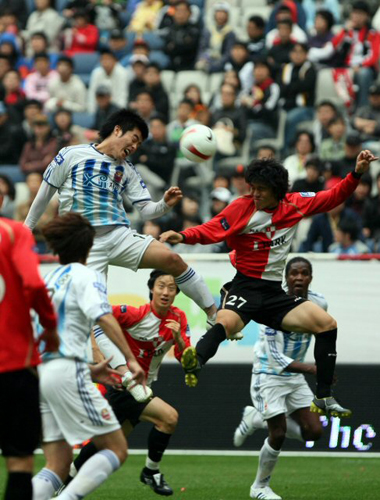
(71, 406)
(272, 395)
(121, 247)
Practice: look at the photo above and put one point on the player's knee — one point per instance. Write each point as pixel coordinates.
(174, 264)
(122, 453)
(171, 421)
(328, 323)
(312, 433)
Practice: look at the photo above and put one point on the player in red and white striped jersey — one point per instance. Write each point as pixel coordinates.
(151, 330)
(260, 228)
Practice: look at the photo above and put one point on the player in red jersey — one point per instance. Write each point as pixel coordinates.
(21, 288)
(151, 331)
(260, 228)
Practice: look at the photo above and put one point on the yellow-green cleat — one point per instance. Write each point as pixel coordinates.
(191, 366)
(330, 407)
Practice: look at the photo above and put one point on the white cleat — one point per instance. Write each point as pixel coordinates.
(138, 391)
(246, 427)
(235, 336)
(211, 320)
(265, 493)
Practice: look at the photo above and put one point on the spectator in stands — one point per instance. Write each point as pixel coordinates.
(39, 151)
(352, 147)
(347, 240)
(8, 191)
(152, 228)
(165, 17)
(279, 53)
(332, 148)
(156, 152)
(67, 91)
(367, 118)
(104, 106)
(45, 19)
(313, 180)
(256, 37)
(324, 21)
(229, 124)
(37, 83)
(216, 40)
(139, 63)
(66, 133)
(239, 62)
(182, 39)
(105, 15)
(10, 136)
(326, 111)
(83, 36)
(356, 46)
(111, 73)
(118, 44)
(152, 80)
(5, 66)
(297, 34)
(297, 85)
(220, 198)
(360, 198)
(10, 48)
(239, 186)
(38, 44)
(371, 217)
(14, 95)
(261, 103)
(295, 164)
(230, 77)
(17, 6)
(140, 48)
(183, 120)
(194, 93)
(32, 108)
(145, 16)
(266, 151)
(221, 179)
(313, 8)
(144, 104)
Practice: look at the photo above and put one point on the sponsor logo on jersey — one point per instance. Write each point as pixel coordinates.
(225, 224)
(262, 245)
(105, 414)
(118, 176)
(123, 309)
(307, 194)
(101, 181)
(59, 159)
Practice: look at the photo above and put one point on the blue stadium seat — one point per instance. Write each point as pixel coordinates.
(60, 5)
(84, 63)
(154, 41)
(13, 172)
(160, 58)
(84, 119)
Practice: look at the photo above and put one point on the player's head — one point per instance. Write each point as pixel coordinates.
(269, 182)
(298, 275)
(70, 236)
(162, 289)
(123, 133)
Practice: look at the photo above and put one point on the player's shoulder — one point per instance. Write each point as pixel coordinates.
(317, 298)
(176, 311)
(69, 152)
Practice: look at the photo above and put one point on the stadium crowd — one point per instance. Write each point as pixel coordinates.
(294, 80)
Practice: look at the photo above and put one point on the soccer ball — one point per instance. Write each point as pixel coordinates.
(198, 143)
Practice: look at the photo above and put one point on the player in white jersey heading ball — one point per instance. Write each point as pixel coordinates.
(73, 410)
(279, 391)
(94, 180)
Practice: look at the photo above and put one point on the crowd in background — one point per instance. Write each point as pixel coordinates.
(249, 70)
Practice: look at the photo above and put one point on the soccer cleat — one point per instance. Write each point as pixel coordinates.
(246, 427)
(157, 483)
(330, 407)
(190, 364)
(265, 493)
(138, 391)
(211, 320)
(235, 336)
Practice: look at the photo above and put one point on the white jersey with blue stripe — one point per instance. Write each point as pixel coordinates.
(94, 184)
(275, 350)
(79, 296)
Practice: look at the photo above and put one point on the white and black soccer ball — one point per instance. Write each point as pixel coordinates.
(198, 143)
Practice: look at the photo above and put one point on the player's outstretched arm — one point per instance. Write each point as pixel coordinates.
(363, 161)
(41, 201)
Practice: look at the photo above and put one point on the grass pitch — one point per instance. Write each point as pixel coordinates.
(229, 478)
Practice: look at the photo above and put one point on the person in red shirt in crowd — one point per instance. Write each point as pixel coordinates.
(21, 288)
(260, 228)
(83, 37)
(151, 331)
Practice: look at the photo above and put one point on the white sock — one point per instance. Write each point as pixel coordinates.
(45, 483)
(194, 286)
(152, 465)
(267, 461)
(293, 430)
(91, 475)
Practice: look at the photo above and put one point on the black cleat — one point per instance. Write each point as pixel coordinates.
(157, 483)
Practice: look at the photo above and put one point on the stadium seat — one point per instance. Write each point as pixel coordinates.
(60, 5)
(85, 120)
(215, 81)
(278, 142)
(22, 193)
(325, 88)
(154, 41)
(261, 10)
(13, 172)
(30, 5)
(167, 78)
(84, 63)
(228, 165)
(160, 58)
(185, 78)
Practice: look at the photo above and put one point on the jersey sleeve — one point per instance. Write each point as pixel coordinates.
(185, 334)
(127, 316)
(91, 294)
(136, 189)
(314, 203)
(58, 169)
(274, 347)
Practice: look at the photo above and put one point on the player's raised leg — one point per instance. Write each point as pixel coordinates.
(310, 318)
(158, 256)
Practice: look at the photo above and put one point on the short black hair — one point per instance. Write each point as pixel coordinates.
(156, 273)
(327, 103)
(145, 91)
(288, 22)
(66, 59)
(160, 117)
(127, 120)
(186, 101)
(304, 46)
(310, 136)
(258, 20)
(268, 146)
(336, 119)
(271, 173)
(327, 16)
(70, 236)
(42, 55)
(107, 52)
(348, 225)
(39, 34)
(33, 102)
(294, 260)
(10, 184)
(155, 66)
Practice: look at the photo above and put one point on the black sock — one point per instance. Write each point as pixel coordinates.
(19, 486)
(208, 344)
(85, 453)
(325, 358)
(157, 443)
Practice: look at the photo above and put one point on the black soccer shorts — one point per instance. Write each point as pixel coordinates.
(125, 406)
(20, 420)
(259, 300)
